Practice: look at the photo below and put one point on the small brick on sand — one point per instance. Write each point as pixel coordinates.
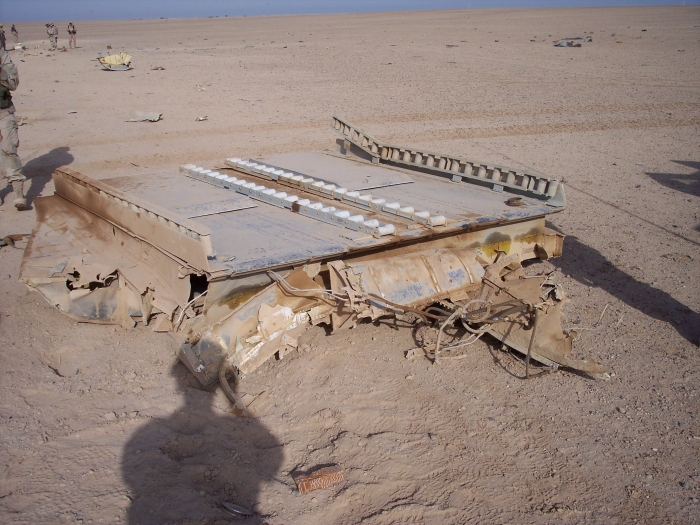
(319, 479)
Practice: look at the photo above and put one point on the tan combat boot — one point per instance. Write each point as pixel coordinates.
(20, 202)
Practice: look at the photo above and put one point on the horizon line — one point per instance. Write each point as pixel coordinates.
(548, 4)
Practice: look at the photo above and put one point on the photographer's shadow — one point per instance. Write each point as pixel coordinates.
(182, 468)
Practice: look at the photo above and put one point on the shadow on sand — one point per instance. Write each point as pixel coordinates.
(181, 469)
(39, 170)
(686, 182)
(588, 266)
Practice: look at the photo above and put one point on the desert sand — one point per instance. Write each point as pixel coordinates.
(130, 438)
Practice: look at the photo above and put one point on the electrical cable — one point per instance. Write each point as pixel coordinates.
(293, 289)
(449, 320)
(228, 391)
(177, 323)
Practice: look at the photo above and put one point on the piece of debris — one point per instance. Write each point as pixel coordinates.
(199, 119)
(319, 479)
(255, 406)
(239, 302)
(144, 116)
(515, 201)
(11, 240)
(20, 47)
(236, 510)
(568, 43)
(109, 47)
(120, 62)
(72, 111)
(200, 88)
(65, 362)
(21, 121)
(251, 99)
(157, 68)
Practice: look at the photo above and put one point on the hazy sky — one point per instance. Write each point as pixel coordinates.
(43, 10)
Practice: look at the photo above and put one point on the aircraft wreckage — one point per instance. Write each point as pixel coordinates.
(243, 258)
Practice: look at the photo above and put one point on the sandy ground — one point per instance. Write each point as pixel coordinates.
(130, 438)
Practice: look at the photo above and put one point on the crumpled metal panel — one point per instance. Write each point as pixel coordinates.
(95, 272)
(255, 330)
(103, 252)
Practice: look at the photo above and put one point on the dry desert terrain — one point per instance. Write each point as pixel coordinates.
(130, 438)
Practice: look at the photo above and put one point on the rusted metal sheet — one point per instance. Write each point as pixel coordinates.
(319, 479)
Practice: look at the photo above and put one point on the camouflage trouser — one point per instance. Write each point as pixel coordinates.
(54, 41)
(9, 142)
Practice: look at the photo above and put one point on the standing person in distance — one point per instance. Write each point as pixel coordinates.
(71, 36)
(3, 39)
(9, 137)
(15, 34)
(53, 36)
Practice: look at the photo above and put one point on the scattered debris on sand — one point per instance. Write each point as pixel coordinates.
(120, 62)
(144, 116)
(320, 478)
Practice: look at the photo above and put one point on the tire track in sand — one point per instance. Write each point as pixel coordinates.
(511, 112)
(541, 129)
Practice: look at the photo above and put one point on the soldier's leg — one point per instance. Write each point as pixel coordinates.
(9, 142)
(3, 184)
